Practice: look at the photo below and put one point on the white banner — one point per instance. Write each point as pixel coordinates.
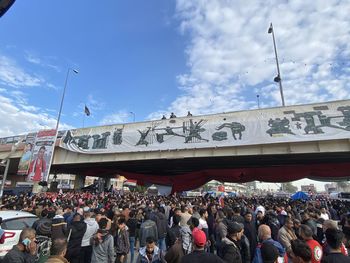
(324, 121)
(43, 147)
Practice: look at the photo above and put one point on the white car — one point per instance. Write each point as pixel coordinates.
(13, 222)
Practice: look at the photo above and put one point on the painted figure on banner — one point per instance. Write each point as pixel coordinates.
(38, 166)
(25, 159)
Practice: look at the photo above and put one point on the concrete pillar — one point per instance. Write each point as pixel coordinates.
(79, 181)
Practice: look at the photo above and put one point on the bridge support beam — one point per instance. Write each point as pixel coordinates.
(79, 181)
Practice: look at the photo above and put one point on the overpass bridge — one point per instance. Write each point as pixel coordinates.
(274, 145)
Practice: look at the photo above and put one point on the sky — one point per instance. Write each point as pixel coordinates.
(142, 59)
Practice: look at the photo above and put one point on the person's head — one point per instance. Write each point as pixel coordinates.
(177, 211)
(203, 213)
(248, 217)
(301, 252)
(86, 212)
(27, 236)
(306, 232)
(29, 147)
(193, 222)
(150, 244)
(77, 217)
(264, 232)
(297, 223)
(176, 219)
(121, 223)
(334, 238)
(41, 152)
(329, 224)
(235, 230)
(199, 238)
(289, 223)
(103, 223)
(305, 216)
(58, 247)
(269, 253)
(260, 215)
(237, 210)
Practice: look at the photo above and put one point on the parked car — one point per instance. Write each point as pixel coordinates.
(13, 222)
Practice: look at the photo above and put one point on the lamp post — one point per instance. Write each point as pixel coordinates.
(133, 115)
(59, 118)
(278, 77)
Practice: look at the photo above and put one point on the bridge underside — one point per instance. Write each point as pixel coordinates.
(189, 173)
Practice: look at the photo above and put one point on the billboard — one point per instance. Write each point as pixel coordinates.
(41, 157)
(26, 158)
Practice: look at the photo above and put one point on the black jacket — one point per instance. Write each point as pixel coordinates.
(245, 250)
(77, 230)
(199, 256)
(231, 251)
(59, 228)
(17, 256)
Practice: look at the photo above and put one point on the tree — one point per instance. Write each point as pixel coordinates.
(343, 185)
(289, 187)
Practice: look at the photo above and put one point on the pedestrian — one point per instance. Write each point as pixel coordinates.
(199, 255)
(301, 252)
(150, 253)
(121, 241)
(102, 244)
(131, 223)
(334, 240)
(91, 229)
(25, 250)
(148, 228)
(58, 251)
(230, 249)
(76, 232)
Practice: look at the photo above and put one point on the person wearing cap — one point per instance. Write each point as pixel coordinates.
(91, 229)
(231, 251)
(269, 253)
(199, 255)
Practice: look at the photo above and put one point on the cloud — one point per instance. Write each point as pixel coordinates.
(14, 76)
(121, 116)
(230, 55)
(18, 119)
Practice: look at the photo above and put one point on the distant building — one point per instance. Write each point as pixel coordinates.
(309, 188)
(330, 188)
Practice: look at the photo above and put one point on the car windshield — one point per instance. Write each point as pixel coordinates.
(18, 223)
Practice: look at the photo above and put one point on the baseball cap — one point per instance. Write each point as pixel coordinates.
(199, 238)
(269, 252)
(234, 227)
(86, 209)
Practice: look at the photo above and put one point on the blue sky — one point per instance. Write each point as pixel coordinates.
(155, 57)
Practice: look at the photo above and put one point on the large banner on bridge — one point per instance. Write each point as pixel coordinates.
(324, 121)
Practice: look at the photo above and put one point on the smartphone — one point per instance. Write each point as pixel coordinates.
(26, 242)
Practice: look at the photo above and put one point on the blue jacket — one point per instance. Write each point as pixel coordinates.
(281, 250)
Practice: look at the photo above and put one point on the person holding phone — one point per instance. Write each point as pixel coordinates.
(26, 249)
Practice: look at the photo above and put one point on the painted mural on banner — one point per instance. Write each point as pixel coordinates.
(42, 151)
(26, 158)
(324, 121)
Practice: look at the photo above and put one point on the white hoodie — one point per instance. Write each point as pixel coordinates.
(91, 229)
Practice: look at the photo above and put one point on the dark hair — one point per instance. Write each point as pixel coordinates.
(306, 230)
(176, 219)
(103, 223)
(194, 221)
(334, 238)
(132, 214)
(121, 220)
(150, 240)
(58, 246)
(301, 249)
(202, 211)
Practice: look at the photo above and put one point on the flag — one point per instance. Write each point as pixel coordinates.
(87, 111)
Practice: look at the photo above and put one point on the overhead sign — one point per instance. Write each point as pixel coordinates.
(324, 121)
(43, 148)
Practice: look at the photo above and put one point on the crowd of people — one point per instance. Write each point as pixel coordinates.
(109, 227)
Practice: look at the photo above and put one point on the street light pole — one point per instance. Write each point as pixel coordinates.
(58, 119)
(4, 176)
(278, 77)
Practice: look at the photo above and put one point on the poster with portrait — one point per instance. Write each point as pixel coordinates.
(26, 158)
(41, 157)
